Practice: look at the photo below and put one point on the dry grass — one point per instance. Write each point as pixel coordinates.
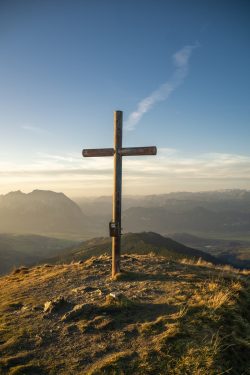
(113, 364)
(166, 318)
(225, 268)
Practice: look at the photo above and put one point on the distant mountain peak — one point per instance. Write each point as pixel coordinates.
(40, 211)
(13, 193)
(35, 192)
(44, 192)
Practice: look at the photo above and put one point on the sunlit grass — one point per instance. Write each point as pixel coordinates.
(179, 318)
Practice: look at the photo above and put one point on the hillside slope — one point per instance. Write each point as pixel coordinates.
(20, 250)
(158, 317)
(10, 258)
(140, 243)
(237, 252)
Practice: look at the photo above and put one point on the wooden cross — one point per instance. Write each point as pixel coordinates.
(118, 152)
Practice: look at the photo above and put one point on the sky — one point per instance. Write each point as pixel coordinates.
(179, 71)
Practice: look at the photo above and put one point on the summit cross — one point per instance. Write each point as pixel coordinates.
(118, 152)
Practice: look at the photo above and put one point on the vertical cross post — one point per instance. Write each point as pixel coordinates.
(117, 194)
(118, 152)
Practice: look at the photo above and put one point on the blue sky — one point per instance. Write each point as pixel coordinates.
(178, 69)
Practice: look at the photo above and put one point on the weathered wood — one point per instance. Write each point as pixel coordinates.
(118, 152)
(134, 151)
(97, 152)
(117, 194)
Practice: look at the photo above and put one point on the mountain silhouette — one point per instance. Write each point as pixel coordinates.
(40, 212)
(139, 243)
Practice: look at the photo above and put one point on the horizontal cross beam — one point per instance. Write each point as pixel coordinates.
(133, 151)
(127, 151)
(96, 152)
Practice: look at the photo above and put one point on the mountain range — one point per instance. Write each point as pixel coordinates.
(206, 213)
(46, 212)
(207, 216)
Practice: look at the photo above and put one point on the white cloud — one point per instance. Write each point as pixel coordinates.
(182, 57)
(170, 170)
(181, 60)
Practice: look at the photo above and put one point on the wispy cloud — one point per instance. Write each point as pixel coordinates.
(181, 60)
(34, 129)
(168, 163)
(170, 170)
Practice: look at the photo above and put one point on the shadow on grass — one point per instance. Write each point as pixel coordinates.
(141, 276)
(119, 317)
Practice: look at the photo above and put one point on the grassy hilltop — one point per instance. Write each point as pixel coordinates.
(158, 317)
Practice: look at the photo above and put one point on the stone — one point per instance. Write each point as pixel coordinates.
(55, 305)
(118, 299)
(76, 311)
(115, 295)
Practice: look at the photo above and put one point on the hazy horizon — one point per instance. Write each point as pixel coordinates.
(125, 195)
(168, 171)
